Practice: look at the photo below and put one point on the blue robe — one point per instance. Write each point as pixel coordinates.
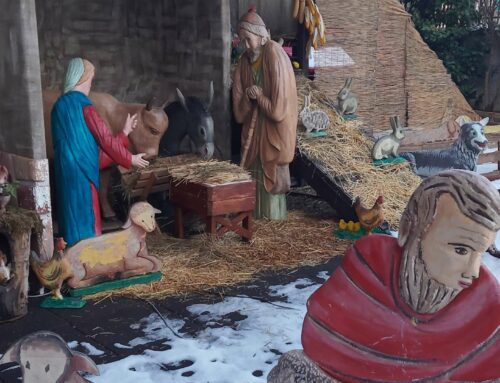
(76, 163)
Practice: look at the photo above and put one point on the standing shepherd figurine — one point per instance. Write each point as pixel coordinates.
(265, 102)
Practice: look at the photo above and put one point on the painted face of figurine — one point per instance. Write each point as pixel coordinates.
(453, 245)
(252, 43)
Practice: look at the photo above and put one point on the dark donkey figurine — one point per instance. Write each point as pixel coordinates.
(189, 117)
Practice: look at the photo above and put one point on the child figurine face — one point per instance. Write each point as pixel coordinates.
(453, 244)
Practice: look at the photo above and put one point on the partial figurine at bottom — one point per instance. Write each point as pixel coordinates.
(45, 357)
(418, 308)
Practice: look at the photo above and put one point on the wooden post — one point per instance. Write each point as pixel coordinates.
(179, 222)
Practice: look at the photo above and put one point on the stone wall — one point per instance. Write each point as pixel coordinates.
(21, 122)
(277, 14)
(143, 48)
(22, 138)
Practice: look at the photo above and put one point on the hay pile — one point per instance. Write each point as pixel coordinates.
(346, 155)
(212, 172)
(201, 264)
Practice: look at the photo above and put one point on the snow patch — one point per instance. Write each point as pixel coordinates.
(243, 352)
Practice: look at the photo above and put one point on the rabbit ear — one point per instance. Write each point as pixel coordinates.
(349, 82)
(395, 123)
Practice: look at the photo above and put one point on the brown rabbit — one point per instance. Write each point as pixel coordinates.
(348, 103)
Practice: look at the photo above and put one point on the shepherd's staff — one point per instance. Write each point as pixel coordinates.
(249, 139)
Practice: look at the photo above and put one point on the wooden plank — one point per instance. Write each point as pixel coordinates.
(233, 190)
(233, 205)
(194, 200)
(489, 157)
(492, 176)
(154, 189)
(426, 146)
(148, 187)
(141, 183)
(323, 184)
(493, 116)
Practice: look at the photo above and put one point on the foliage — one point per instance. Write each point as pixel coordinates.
(9, 189)
(452, 28)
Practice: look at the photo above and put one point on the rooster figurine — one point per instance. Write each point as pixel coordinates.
(53, 273)
(370, 218)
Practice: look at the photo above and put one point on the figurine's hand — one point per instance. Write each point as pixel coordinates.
(138, 161)
(130, 124)
(254, 91)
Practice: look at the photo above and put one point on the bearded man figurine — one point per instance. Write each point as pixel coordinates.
(265, 102)
(419, 308)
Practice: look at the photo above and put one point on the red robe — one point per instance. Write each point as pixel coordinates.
(358, 328)
(112, 150)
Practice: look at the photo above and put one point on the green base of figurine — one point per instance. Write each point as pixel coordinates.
(65, 303)
(116, 284)
(389, 161)
(316, 134)
(350, 117)
(355, 235)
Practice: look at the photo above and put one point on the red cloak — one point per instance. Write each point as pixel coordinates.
(358, 328)
(112, 150)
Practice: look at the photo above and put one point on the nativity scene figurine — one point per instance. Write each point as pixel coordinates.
(416, 308)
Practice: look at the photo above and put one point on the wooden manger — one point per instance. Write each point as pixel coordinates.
(224, 207)
(152, 179)
(221, 193)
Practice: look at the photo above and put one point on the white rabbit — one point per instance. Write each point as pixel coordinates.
(313, 120)
(348, 103)
(389, 145)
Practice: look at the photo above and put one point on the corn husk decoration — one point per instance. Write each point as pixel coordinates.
(307, 12)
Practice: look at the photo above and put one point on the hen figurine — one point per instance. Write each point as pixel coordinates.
(53, 273)
(370, 218)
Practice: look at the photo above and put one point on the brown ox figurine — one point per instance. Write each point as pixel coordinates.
(120, 254)
(152, 123)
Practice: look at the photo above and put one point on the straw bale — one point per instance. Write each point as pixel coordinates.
(210, 172)
(394, 71)
(200, 264)
(345, 155)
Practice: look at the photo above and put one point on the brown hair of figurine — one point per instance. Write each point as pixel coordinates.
(428, 283)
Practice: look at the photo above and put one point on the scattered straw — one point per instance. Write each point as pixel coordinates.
(346, 155)
(210, 172)
(199, 264)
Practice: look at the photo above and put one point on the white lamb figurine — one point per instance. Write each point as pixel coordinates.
(388, 145)
(313, 120)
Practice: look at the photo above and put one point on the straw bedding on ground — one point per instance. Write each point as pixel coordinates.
(200, 264)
